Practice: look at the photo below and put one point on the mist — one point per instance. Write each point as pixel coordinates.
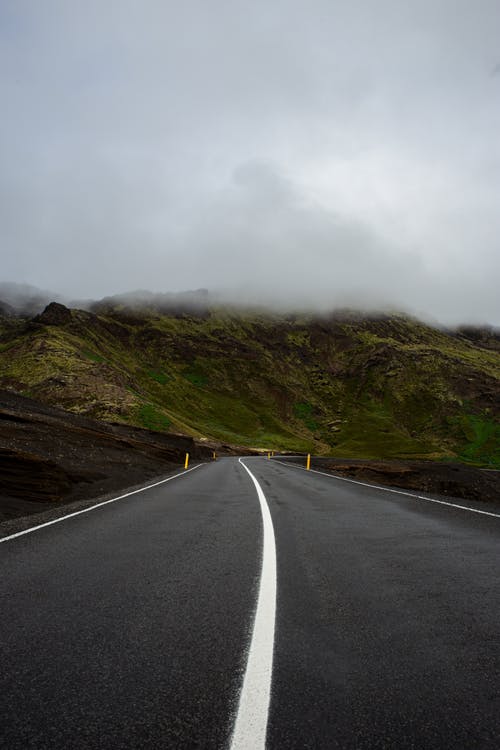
(322, 155)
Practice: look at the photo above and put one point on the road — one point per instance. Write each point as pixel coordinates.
(136, 624)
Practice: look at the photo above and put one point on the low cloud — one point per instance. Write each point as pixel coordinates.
(334, 155)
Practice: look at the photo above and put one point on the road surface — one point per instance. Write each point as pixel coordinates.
(150, 622)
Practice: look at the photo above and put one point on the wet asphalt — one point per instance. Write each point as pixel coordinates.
(127, 627)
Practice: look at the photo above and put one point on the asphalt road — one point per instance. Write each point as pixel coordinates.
(130, 626)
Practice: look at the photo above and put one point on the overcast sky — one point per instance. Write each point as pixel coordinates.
(319, 151)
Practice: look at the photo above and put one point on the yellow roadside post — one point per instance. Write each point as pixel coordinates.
(186, 462)
(269, 455)
(214, 457)
(308, 464)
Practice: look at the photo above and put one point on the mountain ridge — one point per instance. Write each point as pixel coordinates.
(345, 384)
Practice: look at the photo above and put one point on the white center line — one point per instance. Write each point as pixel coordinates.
(250, 727)
(93, 507)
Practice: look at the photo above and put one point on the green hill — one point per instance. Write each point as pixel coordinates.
(344, 385)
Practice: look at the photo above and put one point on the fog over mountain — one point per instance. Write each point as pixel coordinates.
(323, 153)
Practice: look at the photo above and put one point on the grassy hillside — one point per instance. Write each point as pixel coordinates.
(345, 385)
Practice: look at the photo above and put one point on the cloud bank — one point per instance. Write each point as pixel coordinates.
(323, 154)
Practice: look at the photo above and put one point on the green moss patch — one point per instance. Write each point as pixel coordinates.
(196, 378)
(159, 377)
(92, 356)
(304, 412)
(153, 419)
(481, 440)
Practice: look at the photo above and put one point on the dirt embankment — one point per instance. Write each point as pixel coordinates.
(49, 456)
(442, 478)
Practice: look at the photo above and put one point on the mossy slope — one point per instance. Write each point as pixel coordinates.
(346, 385)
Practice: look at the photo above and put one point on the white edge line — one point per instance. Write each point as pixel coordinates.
(98, 505)
(250, 727)
(396, 492)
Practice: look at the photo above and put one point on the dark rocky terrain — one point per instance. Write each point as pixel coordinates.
(450, 479)
(49, 456)
(442, 478)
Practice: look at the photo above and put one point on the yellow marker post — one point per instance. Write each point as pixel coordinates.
(308, 463)
(269, 455)
(186, 462)
(214, 457)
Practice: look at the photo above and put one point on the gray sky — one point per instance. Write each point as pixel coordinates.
(318, 152)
